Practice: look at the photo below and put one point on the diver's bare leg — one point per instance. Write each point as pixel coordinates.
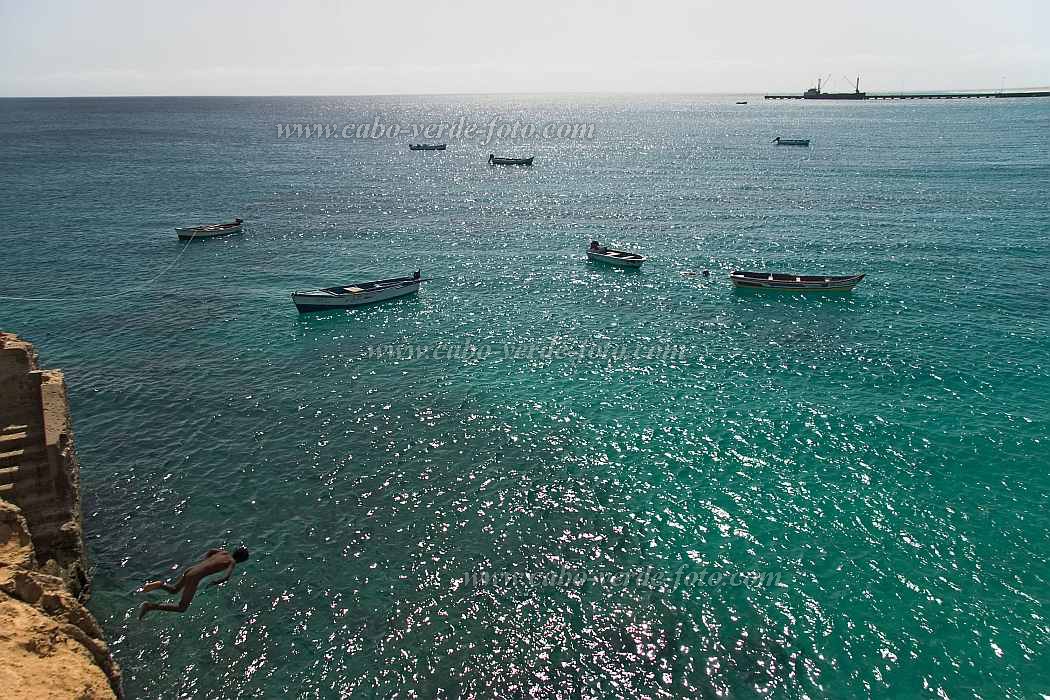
(188, 591)
(154, 585)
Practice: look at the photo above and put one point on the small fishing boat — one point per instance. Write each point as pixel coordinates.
(790, 142)
(209, 230)
(427, 146)
(795, 283)
(356, 294)
(493, 160)
(610, 256)
(742, 102)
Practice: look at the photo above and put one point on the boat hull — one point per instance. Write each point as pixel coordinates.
(834, 95)
(313, 301)
(511, 161)
(792, 142)
(192, 232)
(633, 262)
(426, 147)
(794, 283)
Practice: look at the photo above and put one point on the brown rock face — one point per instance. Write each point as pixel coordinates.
(39, 471)
(41, 659)
(50, 644)
(16, 546)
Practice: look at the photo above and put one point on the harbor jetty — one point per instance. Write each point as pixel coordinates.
(50, 644)
(817, 93)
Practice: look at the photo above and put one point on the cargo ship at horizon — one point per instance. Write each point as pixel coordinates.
(815, 93)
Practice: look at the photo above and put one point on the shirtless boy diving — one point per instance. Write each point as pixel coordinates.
(214, 561)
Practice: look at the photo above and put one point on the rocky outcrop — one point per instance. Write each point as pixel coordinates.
(50, 645)
(38, 464)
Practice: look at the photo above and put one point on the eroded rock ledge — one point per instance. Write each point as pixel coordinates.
(50, 645)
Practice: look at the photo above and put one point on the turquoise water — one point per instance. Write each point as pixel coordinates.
(882, 453)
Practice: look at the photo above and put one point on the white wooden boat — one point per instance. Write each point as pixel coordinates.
(356, 294)
(790, 142)
(209, 230)
(611, 256)
(794, 283)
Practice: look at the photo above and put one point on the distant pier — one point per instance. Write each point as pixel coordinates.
(912, 96)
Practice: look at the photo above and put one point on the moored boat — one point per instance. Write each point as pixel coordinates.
(427, 146)
(611, 256)
(742, 102)
(209, 230)
(790, 142)
(796, 283)
(493, 160)
(356, 294)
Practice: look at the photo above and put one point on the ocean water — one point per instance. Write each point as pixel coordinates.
(880, 456)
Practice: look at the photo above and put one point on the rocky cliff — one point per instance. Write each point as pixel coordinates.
(50, 645)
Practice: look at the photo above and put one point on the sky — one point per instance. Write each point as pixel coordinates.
(310, 47)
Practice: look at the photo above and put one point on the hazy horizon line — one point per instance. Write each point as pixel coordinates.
(507, 93)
